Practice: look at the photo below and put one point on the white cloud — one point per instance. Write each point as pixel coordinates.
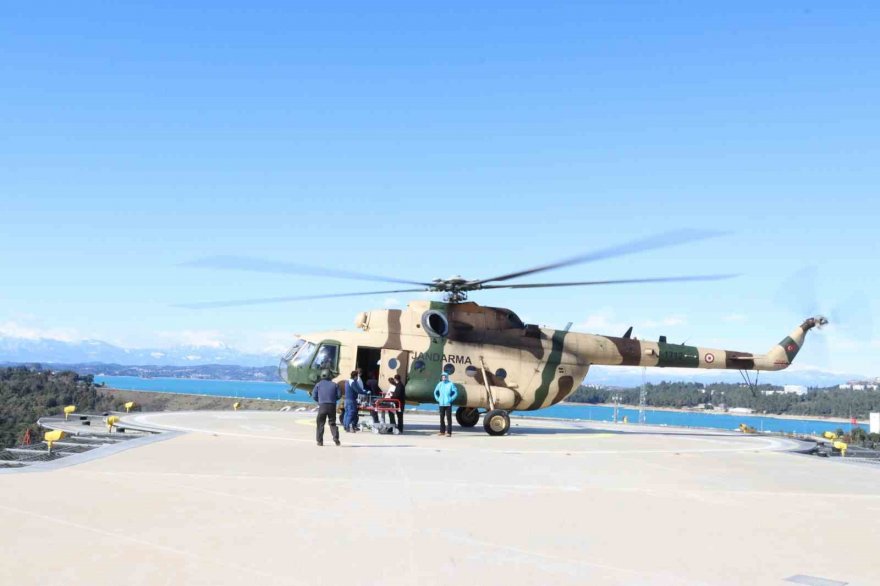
(392, 302)
(605, 322)
(672, 320)
(602, 322)
(197, 338)
(35, 331)
(259, 342)
(267, 342)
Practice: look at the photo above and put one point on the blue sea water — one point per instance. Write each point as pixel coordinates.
(280, 391)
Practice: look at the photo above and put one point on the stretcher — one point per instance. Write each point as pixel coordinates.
(380, 405)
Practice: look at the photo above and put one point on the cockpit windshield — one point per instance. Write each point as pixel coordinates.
(296, 346)
(284, 364)
(303, 355)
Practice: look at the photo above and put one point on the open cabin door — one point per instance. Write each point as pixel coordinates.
(393, 362)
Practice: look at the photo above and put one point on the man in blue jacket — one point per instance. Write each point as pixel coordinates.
(445, 393)
(353, 388)
(326, 394)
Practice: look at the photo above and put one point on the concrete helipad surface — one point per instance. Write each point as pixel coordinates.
(248, 498)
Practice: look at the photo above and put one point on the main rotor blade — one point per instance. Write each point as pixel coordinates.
(268, 300)
(614, 282)
(641, 245)
(256, 265)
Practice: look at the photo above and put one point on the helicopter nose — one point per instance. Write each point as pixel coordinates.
(284, 364)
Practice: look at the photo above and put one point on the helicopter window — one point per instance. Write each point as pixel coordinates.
(514, 320)
(435, 323)
(326, 357)
(393, 364)
(303, 355)
(419, 365)
(296, 346)
(501, 373)
(471, 370)
(448, 369)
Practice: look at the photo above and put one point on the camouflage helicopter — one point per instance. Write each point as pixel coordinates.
(498, 363)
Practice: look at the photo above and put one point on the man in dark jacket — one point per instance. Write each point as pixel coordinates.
(373, 393)
(400, 395)
(326, 394)
(353, 388)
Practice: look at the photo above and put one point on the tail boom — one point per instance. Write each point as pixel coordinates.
(631, 352)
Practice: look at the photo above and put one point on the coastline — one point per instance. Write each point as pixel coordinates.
(166, 401)
(714, 412)
(174, 401)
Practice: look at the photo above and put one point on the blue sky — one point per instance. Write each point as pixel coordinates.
(427, 139)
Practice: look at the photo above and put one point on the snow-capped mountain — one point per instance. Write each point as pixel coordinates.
(56, 351)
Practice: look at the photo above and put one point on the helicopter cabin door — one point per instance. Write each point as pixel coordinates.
(367, 360)
(393, 362)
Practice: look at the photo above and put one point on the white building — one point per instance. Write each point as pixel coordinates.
(788, 389)
(860, 385)
(741, 410)
(875, 422)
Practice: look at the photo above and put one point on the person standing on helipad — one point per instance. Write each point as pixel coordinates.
(445, 393)
(326, 394)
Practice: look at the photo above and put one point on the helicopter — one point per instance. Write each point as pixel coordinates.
(498, 363)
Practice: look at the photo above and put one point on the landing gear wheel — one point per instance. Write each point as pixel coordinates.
(496, 422)
(467, 416)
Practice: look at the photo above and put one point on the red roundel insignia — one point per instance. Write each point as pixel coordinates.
(710, 358)
(791, 347)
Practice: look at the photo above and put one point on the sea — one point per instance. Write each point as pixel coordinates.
(280, 391)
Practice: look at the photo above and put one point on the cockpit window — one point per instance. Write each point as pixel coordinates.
(514, 320)
(296, 346)
(304, 355)
(326, 357)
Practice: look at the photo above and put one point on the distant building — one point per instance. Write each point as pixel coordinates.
(874, 420)
(741, 410)
(788, 389)
(860, 385)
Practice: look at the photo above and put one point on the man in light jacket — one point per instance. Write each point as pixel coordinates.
(445, 393)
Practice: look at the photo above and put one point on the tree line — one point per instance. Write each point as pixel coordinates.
(26, 394)
(827, 402)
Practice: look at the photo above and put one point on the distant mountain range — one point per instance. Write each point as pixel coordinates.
(50, 351)
(96, 352)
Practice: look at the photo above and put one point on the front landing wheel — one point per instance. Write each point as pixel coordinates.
(467, 416)
(496, 422)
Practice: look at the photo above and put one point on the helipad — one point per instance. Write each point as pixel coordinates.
(248, 498)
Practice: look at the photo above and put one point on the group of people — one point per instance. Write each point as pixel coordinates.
(327, 393)
(358, 393)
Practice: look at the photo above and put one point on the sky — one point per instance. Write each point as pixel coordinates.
(421, 140)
